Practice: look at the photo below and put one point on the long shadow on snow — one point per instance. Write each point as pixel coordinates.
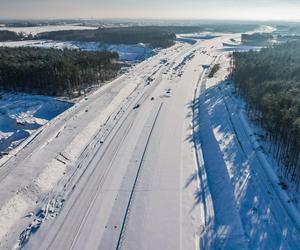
(227, 225)
(228, 167)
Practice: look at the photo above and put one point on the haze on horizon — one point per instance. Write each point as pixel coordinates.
(175, 9)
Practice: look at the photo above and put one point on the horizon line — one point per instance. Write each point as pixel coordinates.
(146, 19)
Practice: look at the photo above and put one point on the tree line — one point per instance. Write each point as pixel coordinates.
(54, 72)
(257, 39)
(155, 36)
(267, 39)
(269, 81)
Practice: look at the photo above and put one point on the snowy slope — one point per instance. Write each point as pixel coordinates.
(230, 156)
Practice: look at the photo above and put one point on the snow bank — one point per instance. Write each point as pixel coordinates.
(74, 149)
(51, 175)
(12, 211)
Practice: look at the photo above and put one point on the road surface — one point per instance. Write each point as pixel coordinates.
(141, 164)
(134, 194)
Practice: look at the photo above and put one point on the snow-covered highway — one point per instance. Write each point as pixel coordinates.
(150, 161)
(132, 193)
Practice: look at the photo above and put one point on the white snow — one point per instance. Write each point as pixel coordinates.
(66, 136)
(222, 200)
(262, 206)
(12, 211)
(22, 114)
(39, 29)
(84, 137)
(135, 52)
(266, 29)
(51, 175)
(272, 177)
(240, 48)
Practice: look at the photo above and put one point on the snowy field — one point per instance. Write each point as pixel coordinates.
(39, 29)
(22, 114)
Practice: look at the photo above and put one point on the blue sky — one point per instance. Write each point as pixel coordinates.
(185, 9)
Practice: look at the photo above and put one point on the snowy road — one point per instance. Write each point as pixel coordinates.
(168, 173)
(92, 147)
(134, 187)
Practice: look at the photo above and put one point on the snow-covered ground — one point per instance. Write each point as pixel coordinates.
(249, 206)
(136, 52)
(192, 38)
(265, 29)
(66, 141)
(39, 29)
(199, 35)
(178, 171)
(240, 48)
(22, 114)
(235, 45)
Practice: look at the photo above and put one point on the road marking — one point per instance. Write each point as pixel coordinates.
(136, 179)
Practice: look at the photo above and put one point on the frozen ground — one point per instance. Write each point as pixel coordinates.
(23, 114)
(265, 29)
(137, 52)
(234, 45)
(192, 38)
(239, 48)
(180, 170)
(39, 29)
(65, 142)
(249, 205)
